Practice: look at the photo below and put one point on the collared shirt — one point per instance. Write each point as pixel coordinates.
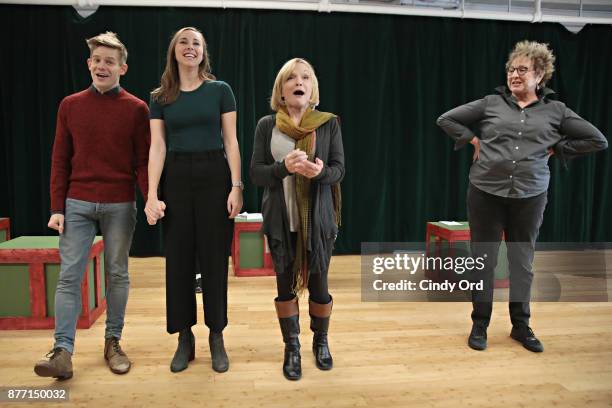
(514, 141)
(112, 91)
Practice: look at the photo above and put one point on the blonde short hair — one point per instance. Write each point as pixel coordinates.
(110, 40)
(276, 101)
(541, 56)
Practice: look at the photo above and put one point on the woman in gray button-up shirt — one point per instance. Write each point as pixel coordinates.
(514, 132)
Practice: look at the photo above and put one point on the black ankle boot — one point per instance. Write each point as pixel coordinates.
(185, 352)
(289, 320)
(220, 362)
(319, 324)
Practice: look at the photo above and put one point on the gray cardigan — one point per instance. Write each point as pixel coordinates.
(268, 173)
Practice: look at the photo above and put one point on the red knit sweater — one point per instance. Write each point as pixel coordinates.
(101, 147)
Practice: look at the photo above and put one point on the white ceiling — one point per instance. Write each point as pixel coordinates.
(574, 14)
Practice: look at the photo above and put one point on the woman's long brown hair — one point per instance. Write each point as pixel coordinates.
(170, 86)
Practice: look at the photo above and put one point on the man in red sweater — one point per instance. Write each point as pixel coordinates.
(101, 148)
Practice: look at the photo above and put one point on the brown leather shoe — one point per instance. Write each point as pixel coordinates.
(58, 364)
(116, 359)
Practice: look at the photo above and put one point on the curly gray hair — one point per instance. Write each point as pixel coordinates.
(539, 53)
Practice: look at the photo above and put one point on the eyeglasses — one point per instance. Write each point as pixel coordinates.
(522, 70)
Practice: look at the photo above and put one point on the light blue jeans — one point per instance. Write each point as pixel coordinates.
(117, 222)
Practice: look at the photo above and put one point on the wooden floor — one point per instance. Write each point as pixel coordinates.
(386, 354)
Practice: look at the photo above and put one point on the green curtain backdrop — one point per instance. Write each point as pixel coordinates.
(388, 77)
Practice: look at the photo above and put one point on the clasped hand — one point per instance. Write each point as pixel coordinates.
(154, 210)
(297, 162)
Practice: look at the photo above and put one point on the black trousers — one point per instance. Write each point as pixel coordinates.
(520, 220)
(196, 224)
(317, 283)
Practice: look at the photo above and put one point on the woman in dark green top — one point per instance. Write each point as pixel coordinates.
(193, 119)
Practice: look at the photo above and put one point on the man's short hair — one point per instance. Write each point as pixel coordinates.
(110, 40)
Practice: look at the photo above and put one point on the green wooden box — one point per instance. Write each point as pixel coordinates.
(29, 271)
(5, 229)
(250, 252)
(452, 240)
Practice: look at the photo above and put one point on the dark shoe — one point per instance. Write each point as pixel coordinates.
(185, 352)
(289, 320)
(525, 336)
(478, 338)
(117, 360)
(220, 362)
(319, 324)
(58, 364)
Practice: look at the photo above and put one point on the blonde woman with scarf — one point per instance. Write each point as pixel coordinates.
(298, 157)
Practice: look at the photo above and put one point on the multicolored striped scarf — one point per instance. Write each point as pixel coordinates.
(303, 134)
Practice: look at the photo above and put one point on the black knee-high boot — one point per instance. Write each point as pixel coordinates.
(319, 324)
(289, 319)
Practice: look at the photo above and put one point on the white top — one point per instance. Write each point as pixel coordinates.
(281, 145)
